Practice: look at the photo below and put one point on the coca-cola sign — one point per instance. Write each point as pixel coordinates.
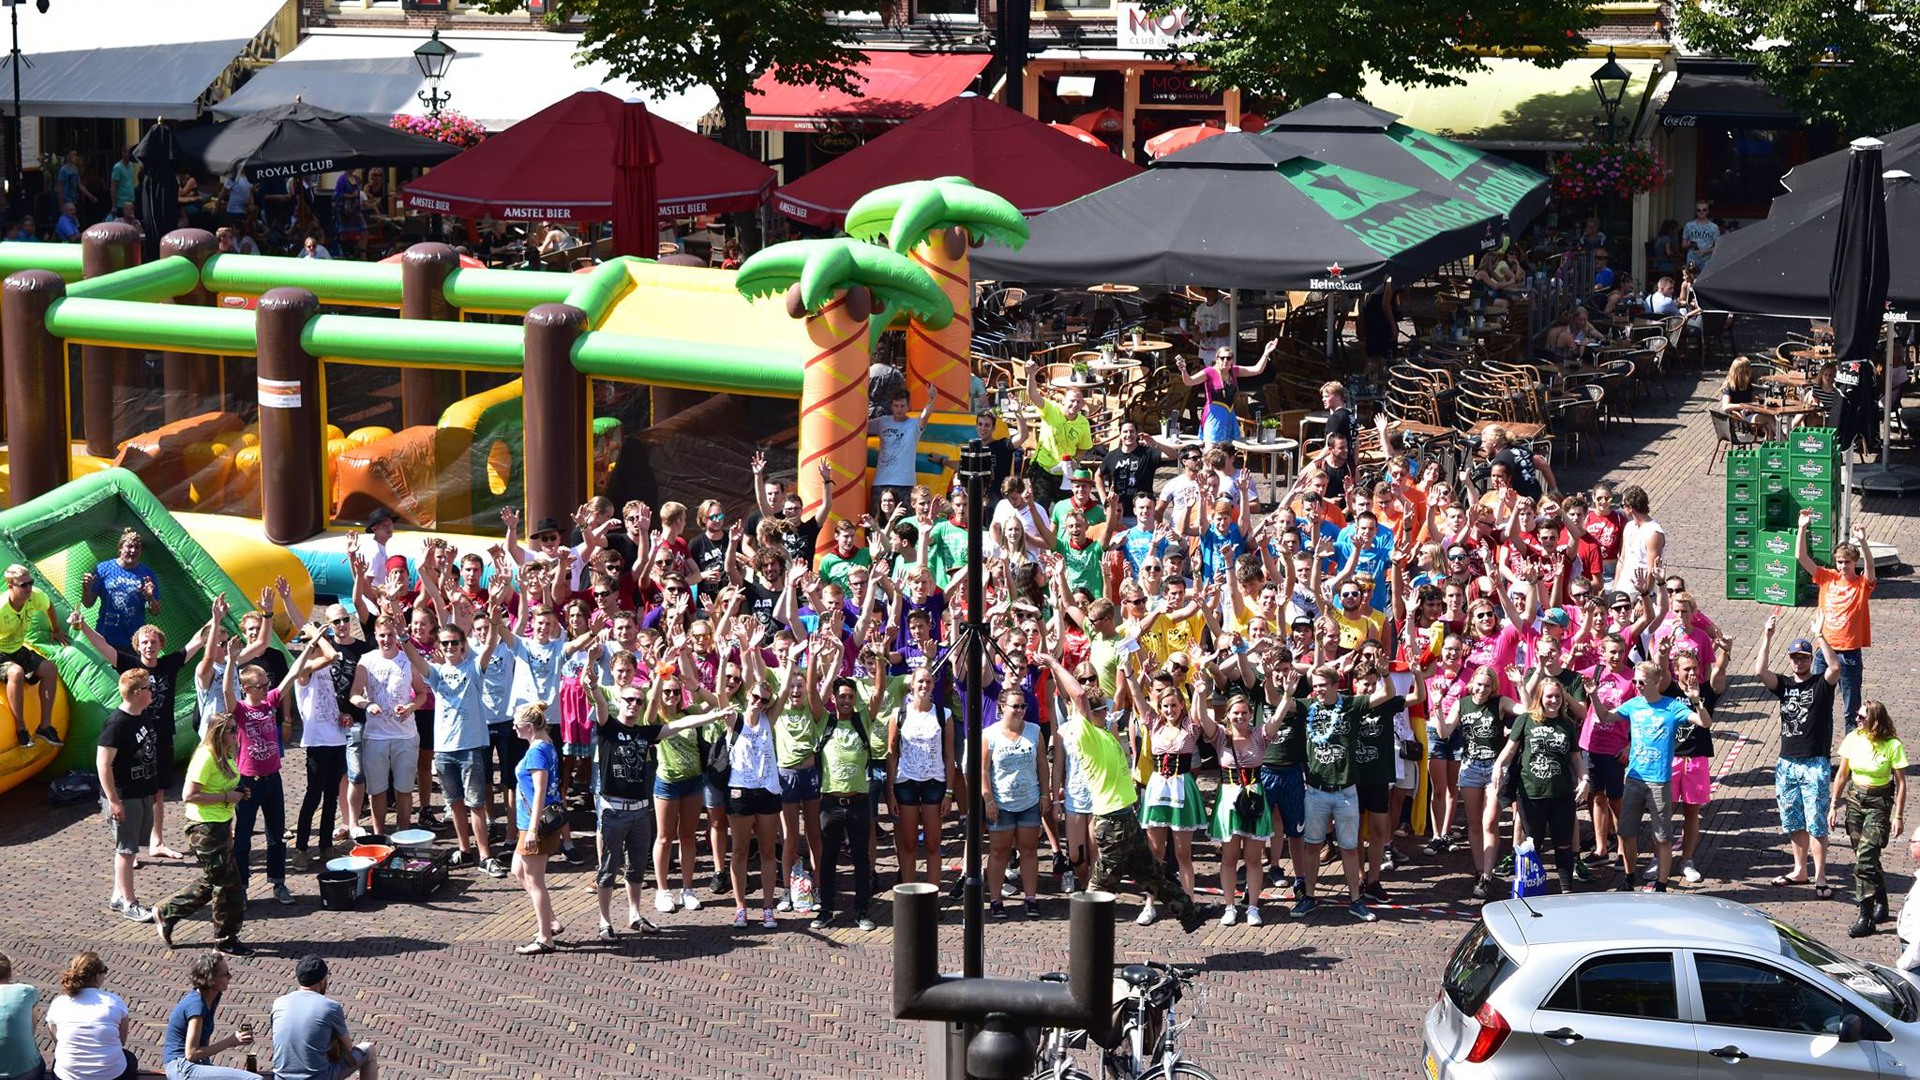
(1679, 120)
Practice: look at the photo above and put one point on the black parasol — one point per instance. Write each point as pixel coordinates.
(156, 202)
(299, 139)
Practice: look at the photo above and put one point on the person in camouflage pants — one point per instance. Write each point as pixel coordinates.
(212, 790)
(1123, 853)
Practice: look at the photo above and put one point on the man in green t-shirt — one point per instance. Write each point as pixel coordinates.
(1063, 433)
(22, 663)
(1081, 498)
(1080, 556)
(947, 545)
(1332, 734)
(1116, 825)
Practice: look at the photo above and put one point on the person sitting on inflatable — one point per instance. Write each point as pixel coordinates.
(20, 661)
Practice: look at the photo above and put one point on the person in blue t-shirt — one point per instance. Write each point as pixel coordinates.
(190, 1044)
(1374, 544)
(127, 590)
(1653, 720)
(1146, 540)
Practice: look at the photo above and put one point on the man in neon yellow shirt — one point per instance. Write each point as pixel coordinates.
(1063, 433)
(20, 661)
(1116, 825)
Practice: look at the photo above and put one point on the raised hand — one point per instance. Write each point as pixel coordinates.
(826, 470)
(759, 462)
(510, 516)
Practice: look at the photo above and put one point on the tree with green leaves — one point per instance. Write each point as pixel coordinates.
(1847, 63)
(1297, 53)
(672, 45)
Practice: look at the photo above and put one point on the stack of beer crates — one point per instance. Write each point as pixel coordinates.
(1767, 488)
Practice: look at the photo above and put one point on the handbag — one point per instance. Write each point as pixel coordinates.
(717, 755)
(551, 820)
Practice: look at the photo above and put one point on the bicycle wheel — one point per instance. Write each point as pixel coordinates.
(1183, 1070)
(1069, 1074)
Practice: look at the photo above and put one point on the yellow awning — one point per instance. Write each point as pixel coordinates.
(1516, 104)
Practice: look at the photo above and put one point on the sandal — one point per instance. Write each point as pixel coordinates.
(535, 947)
(1823, 892)
(1784, 880)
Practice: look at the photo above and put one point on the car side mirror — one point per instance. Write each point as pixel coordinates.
(1852, 1028)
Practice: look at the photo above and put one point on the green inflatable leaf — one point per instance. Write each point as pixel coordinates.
(824, 267)
(908, 213)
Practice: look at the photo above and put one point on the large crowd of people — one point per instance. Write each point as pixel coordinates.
(1369, 673)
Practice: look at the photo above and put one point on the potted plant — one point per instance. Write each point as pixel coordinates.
(1270, 430)
(1082, 371)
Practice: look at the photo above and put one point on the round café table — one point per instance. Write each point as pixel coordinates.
(1276, 459)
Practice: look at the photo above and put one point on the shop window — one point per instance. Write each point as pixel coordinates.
(946, 9)
(1077, 5)
(1740, 168)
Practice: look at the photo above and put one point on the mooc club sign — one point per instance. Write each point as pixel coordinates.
(1139, 28)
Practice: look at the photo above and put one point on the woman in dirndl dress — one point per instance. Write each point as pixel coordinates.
(1171, 805)
(1241, 819)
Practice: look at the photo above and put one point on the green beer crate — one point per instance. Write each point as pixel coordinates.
(1776, 511)
(1743, 492)
(1775, 457)
(1815, 468)
(1774, 542)
(1813, 442)
(1768, 567)
(1742, 538)
(1742, 587)
(1782, 593)
(1773, 483)
(1740, 562)
(1820, 545)
(1743, 465)
(1746, 515)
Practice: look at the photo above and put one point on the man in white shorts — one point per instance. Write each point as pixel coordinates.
(389, 757)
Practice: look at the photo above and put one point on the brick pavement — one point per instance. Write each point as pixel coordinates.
(437, 984)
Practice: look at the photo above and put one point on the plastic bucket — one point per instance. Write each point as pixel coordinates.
(379, 853)
(339, 889)
(359, 866)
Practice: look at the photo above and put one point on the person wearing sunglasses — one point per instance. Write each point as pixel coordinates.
(1699, 236)
(456, 677)
(753, 782)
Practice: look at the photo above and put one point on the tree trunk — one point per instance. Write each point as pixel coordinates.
(734, 136)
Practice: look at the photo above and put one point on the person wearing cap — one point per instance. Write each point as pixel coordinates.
(20, 661)
(1081, 497)
(380, 531)
(310, 1036)
(1803, 776)
(1064, 432)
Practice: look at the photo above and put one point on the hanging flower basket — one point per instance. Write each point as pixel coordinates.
(449, 127)
(1599, 171)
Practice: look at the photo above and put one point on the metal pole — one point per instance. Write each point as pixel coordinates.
(976, 470)
(19, 128)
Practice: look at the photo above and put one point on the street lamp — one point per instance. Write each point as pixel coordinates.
(1610, 85)
(433, 56)
(17, 61)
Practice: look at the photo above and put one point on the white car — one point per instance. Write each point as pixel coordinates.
(1658, 986)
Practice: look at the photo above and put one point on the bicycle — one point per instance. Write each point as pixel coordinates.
(1142, 1040)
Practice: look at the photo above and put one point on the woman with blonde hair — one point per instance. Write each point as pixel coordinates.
(540, 820)
(89, 1025)
(1737, 396)
(1870, 793)
(212, 792)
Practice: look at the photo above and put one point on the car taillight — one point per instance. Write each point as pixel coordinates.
(1493, 1032)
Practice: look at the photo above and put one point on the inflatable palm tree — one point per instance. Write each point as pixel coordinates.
(934, 222)
(837, 286)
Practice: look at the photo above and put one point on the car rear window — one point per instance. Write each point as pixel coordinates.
(1477, 967)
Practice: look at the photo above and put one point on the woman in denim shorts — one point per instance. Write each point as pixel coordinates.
(1444, 753)
(1482, 715)
(1013, 770)
(920, 761)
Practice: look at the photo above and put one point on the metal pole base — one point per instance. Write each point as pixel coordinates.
(1899, 480)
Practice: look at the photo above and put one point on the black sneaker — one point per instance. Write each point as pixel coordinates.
(1505, 866)
(1372, 891)
(1193, 918)
(52, 736)
(1436, 847)
(1304, 907)
(959, 890)
(1625, 884)
(999, 911)
(1480, 888)
(575, 856)
(721, 885)
(1031, 908)
(233, 947)
(821, 921)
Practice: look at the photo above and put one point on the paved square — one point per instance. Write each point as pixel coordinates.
(438, 985)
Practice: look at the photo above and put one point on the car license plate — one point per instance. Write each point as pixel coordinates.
(1433, 1066)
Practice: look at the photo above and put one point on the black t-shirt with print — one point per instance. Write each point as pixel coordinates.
(1330, 731)
(1806, 716)
(136, 761)
(1374, 747)
(626, 759)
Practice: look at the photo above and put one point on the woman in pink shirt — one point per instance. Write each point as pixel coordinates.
(261, 736)
(1604, 738)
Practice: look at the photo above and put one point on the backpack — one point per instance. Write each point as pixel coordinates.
(717, 756)
(73, 788)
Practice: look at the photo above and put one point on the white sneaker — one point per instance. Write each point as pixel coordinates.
(606, 930)
(1687, 871)
(739, 918)
(662, 901)
(1253, 914)
(1147, 915)
(687, 901)
(1066, 883)
(1227, 914)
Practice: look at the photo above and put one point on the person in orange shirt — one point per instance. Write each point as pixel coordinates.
(1843, 619)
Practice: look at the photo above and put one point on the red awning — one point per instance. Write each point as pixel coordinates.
(895, 86)
(1019, 158)
(557, 165)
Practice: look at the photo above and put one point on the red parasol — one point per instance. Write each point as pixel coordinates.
(636, 154)
(1180, 138)
(1079, 133)
(1107, 120)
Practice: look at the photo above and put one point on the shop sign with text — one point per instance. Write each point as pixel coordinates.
(1137, 27)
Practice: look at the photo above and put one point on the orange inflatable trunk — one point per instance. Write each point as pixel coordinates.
(942, 358)
(833, 415)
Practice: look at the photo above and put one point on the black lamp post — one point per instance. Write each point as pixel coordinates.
(17, 61)
(434, 56)
(1610, 85)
